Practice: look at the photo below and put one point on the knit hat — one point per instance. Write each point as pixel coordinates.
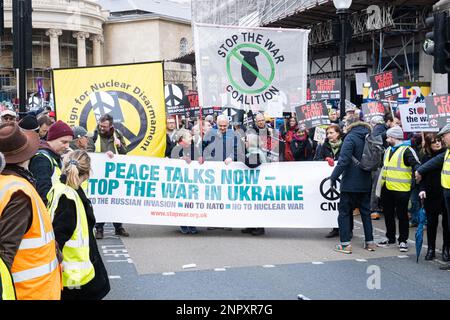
(59, 129)
(29, 122)
(376, 120)
(395, 132)
(79, 132)
(349, 106)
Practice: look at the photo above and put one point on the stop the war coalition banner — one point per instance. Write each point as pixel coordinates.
(250, 68)
(156, 191)
(133, 94)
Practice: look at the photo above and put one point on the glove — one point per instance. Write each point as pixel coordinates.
(422, 195)
(333, 184)
(330, 161)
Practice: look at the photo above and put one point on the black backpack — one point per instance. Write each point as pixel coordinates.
(373, 153)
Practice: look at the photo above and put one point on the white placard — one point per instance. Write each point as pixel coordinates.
(414, 118)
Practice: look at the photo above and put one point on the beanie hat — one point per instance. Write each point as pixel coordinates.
(29, 122)
(395, 132)
(59, 129)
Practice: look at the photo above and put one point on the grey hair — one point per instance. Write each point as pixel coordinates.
(183, 133)
(222, 117)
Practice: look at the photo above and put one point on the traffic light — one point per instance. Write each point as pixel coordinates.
(22, 33)
(437, 42)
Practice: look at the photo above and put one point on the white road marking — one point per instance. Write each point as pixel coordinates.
(361, 260)
(317, 262)
(220, 269)
(403, 257)
(268, 266)
(168, 273)
(189, 266)
(115, 277)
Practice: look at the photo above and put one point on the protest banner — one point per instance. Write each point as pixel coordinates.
(414, 118)
(438, 110)
(175, 99)
(156, 191)
(385, 85)
(250, 66)
(325, 89)
(312, 115)
(372, 109)
(133, 94)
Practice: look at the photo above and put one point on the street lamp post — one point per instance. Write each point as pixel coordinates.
(342, 7)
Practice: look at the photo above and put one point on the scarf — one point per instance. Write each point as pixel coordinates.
(335, 147)
(300, 138)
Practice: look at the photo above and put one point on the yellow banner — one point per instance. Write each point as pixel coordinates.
(133, 94)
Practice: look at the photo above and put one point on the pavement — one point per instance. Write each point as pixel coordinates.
(160, 263)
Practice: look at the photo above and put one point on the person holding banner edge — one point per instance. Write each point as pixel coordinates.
(109, 140)
(355, 186)
(329, 151)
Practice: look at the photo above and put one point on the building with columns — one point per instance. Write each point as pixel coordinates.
(66, 33)
(79, 33)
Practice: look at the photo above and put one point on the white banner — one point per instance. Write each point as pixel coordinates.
(414, 118)
(142, 190)
(249, 68)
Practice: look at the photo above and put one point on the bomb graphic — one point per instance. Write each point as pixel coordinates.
(248, 76)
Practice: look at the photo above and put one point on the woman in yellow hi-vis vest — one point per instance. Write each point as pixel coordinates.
(29, 268)
(440, 161)
(84, 274)
(400, 160)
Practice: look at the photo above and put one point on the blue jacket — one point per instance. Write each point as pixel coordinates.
(353, 179)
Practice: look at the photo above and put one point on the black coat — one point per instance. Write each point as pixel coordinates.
(42, 170)
(302, 150)
(325, 151)
(354, 179)
(431, 184)
(64, 225)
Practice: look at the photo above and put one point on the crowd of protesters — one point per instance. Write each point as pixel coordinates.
(44, 168)
(399, 194)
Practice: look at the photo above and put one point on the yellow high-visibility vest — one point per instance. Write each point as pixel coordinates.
(98, 144)
(6, 283)
(395, 174)
(77, 266)
(56, 169)
(445, 173)
(35, 270)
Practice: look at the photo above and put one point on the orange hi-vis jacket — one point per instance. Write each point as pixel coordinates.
(35, 270)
